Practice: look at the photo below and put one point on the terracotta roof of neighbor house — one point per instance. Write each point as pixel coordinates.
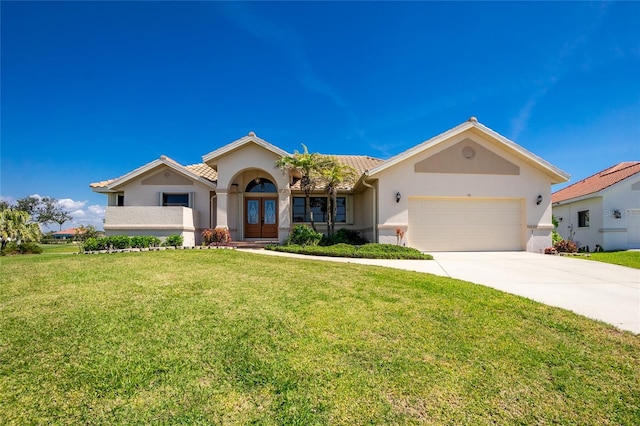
(360, 164)
(597, 182)
(70, 231)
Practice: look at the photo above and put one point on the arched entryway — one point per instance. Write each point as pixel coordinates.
(261, 209)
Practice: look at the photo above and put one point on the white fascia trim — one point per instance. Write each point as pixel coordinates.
(239, 143)
(558, 175)
(154, 164)
(598, 194)
(420, 147)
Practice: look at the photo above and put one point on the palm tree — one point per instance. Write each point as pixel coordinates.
(307, 165)
(15, 225)
(334, 174)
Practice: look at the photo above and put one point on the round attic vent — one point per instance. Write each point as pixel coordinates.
(468, 152)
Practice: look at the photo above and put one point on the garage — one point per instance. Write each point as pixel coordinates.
(465, 224)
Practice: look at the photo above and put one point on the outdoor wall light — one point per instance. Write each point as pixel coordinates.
(398, 196)
(617, 214)
(539, 200)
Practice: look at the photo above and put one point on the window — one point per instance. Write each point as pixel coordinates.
(261, 185)
(319, 206)
(120, 200)
(181, 199)
(583, 219)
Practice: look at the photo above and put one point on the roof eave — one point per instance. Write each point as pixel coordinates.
(579, 198)
(557, 175)
(153, 165)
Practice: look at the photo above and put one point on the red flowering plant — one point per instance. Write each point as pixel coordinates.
(216, 236)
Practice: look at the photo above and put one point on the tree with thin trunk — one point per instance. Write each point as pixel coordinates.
(306, 165)
(334, 174)
(44, 210)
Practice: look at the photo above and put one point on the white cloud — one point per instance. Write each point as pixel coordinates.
(81, 213)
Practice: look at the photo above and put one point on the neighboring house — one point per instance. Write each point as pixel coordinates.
(603, 210)
(66, 234)
(466, 189)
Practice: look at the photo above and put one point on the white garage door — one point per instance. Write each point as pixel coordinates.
(467, 224)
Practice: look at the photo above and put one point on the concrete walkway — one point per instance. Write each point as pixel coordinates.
(602, 291)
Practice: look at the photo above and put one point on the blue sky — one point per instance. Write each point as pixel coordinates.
(92, 90)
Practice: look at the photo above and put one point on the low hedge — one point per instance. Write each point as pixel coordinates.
(366, 251)
(119, 242)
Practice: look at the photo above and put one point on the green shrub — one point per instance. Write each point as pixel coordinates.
(29, 248)
(346, 236)
(173, 240)
(304, 236)
(119, 242)
(144, 241)
(22, 248)
(90, 244)
(566, 246)
(367, 251)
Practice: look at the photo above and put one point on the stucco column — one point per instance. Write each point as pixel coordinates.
(284, 218)
(222, 208)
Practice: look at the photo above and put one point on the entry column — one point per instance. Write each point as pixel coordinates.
(221, 210)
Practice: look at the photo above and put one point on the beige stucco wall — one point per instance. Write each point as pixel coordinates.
(526, 185)
(235, 170)
(151, 220)
(144, 191)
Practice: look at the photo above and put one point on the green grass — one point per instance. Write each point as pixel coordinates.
(226, 337)
(368, 251)
(60, 248)
(624, 258)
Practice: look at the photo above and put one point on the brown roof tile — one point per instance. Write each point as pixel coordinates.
(597, 182)
(360, 163)
(204, 171)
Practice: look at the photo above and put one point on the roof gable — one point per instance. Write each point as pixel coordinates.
(212, 157)
(196, 172)
(556, 175)
(597, 182)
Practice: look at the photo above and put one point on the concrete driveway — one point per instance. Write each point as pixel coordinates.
(602, 291)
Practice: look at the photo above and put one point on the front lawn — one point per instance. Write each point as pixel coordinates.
(624, 258)
(228, 337)
(60, 248)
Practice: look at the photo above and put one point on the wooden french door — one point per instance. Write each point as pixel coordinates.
(261, 217)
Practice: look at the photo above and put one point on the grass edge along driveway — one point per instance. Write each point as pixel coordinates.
(228, 337)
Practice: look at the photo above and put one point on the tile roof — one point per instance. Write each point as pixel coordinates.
(70, 231)
(203, 171)
(598, 181)
(360, 163)
(200, 169)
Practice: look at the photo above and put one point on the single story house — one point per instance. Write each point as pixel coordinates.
(603, 210)
(66, 234)
(467, 189)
